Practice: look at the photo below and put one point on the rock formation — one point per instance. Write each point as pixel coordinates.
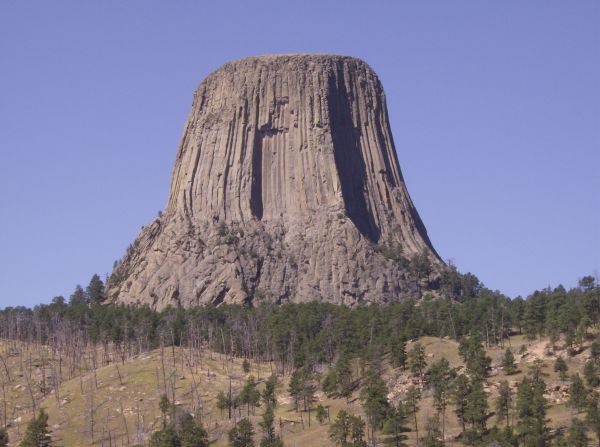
(286, 187)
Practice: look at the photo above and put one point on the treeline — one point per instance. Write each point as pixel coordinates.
(294, 335)
(84, 333)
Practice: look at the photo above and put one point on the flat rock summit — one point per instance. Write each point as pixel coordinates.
(286, 187)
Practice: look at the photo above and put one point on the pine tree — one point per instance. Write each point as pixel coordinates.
(37, 433)
(339, 432)
(413, 396)
(416, 360)
(164, 406)
(577, 393)
(193, 433)
(504, 402)
(536, 370)
(577, 434)
(433, 436)
(307, 392)
(268, 395)
(357, 431)
(222, 402)
(295, 387)
(508, 363)
(593, 414)
(395, 427)
(167, 437)
(373, 395)
(477, 407)
(531, 411)
(77, 297)
(439, 375)
(473, 354)
(321, 414)
(560, 366)
(591, 372)
(95, 290)
(343, 372)
(249, 396)
(270, 439)
(398, 353)
(242, 435)
(460, 393)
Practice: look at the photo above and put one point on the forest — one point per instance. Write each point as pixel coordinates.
(344, 353)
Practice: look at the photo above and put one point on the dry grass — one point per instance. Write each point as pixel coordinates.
(141, 384)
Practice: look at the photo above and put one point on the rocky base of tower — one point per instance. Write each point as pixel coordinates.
(324, 258)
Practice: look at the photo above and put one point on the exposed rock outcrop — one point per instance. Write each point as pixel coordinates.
(286, 186)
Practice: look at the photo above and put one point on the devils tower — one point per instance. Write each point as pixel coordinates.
(286, 187)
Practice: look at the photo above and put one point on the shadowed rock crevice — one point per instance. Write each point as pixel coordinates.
(256, 201)
(348, 158)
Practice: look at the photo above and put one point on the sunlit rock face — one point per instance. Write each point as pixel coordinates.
(286, 187)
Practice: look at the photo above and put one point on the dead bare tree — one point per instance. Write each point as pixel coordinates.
(124, 421)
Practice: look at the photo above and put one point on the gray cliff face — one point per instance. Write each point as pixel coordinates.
(285, 187)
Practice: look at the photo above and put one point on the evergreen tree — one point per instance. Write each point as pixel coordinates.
(3, 438)
(593, 414)
(295, 386)
(339, 432)
(417, 361)
(508, 363)
(536, 370)
(308, 390)
(395, 427)
(531, 411)
(577, 393)
(591, 372)
(343, 374)
(460, 393)
(249, 396)
(504, 402)
(268, 395)
(473, 354)
(167, 437)
(246, 366)
(577, 434)
(270, 439)
(560, 366)
(193, 433)
(164, 404)
(413, 396)
(398, 353)
(476, 408)
(37, 433)
(373, 395)
(433, 436)
(95, 290)
(321, 414)
(420, 266)
(223, 402)
(328, 385)
(357, 431)
(242, 435)
(439, 376)
(77, 298)
(348, 430)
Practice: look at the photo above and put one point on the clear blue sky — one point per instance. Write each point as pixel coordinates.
(495, 109)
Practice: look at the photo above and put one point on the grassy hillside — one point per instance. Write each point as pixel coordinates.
(118, 403)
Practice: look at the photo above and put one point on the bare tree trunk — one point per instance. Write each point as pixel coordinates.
(124, 421)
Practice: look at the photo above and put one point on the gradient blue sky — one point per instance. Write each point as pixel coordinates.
(494, 106)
